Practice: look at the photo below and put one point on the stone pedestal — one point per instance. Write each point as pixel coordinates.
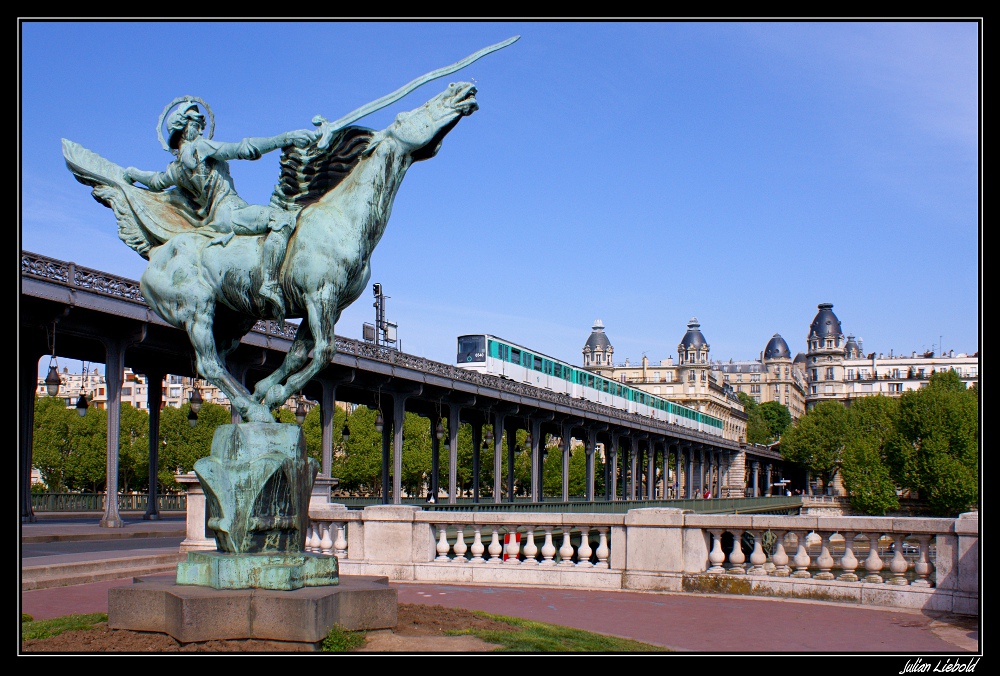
(194, 614)
(280, 571)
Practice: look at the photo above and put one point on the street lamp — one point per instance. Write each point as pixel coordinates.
(345, 434)
(81, 404)
(489, 437)
(379, 422)
(52, 381)
(300, 411)
(439, 431)
(192, 417)
(195, 400)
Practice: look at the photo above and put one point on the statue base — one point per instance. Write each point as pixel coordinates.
(278, 571)
(305, 616)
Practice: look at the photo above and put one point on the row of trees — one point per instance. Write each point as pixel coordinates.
(925, 442)
(70, 451)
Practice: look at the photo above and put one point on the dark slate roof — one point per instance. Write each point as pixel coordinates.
(852, 349)
(693, 338)
(826, 323)
(777, 348)
(598, 339)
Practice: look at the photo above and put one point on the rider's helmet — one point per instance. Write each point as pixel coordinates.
(178, 120)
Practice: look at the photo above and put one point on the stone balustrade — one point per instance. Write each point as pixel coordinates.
(928, 563)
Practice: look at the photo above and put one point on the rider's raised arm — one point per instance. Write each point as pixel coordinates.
(154, 180)
(253, 148)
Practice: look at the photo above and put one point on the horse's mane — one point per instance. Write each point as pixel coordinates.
(309, 173)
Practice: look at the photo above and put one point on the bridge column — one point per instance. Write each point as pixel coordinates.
(768, 474)
(31, 351)
(154, 396)
(453, 422)
(498, 420)
(589, 449)
(624, 465)
(650, 469)
(755, 492)
(718, 474)
(611, 468)
(567, 435)
(435, 457)
(636, 470)
(327, 402)
(114, 349)
(387, 425)
(535, 432)
(689, 474)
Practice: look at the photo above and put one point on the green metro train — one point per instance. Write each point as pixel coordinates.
(488, 354)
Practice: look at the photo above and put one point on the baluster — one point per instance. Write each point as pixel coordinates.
(602, 548)
(513, 548)
(477, 545)
(780, 557)
(923, 567)
(873, 564)
(566, 551)
(801, 559)
(530, 550)
(496, 549)
(340, 544)
(548, 549)
(899, 565)
(460, 547)
(824, 561)
(716, 557)
(326, 543)
(849, 562)
(442, 545)
(757, 557)
(311, 538)
(583, 554)
(736, 556)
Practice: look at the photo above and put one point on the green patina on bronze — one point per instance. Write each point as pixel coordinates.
(217, 265)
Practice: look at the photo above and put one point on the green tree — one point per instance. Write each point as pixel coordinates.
(937, 450)
(359, 467)
(133, 449)
(181, 444)
(817, 441)
(776, 419)
(871, 427)
(52, 441)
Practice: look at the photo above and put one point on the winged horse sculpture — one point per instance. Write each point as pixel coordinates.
(337, 187)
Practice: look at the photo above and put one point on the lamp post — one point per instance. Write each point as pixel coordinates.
(81, 402)
(195, 400)
(300, 411)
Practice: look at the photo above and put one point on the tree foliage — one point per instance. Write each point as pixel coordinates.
(817, 441)
(936, 451)
(871, 426)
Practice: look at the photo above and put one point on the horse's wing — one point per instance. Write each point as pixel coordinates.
(309, 173)
(145, 219)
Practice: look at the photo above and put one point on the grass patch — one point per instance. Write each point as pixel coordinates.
(32, 629)
(339, 640)
(527, 636)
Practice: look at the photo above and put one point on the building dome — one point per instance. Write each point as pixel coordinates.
(777, 348)
(693, 339)
(598, 339)
(826, 323)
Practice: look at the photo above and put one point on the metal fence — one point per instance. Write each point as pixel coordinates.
(94, 502)
(774, 505)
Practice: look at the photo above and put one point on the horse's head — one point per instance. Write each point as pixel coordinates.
(421, 131)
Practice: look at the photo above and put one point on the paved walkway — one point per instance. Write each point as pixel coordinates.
(684, 622)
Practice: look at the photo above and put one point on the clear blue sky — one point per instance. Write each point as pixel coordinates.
(640, 173)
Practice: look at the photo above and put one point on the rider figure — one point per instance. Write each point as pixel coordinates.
(201, 174)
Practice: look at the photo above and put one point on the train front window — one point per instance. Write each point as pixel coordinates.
(471, 349)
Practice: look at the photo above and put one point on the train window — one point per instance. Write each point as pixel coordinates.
(515, 355)
(557, 370)
(537, 365)
(548, 367)
(471, 349)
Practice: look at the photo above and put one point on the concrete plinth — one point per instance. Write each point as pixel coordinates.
(194, 614)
